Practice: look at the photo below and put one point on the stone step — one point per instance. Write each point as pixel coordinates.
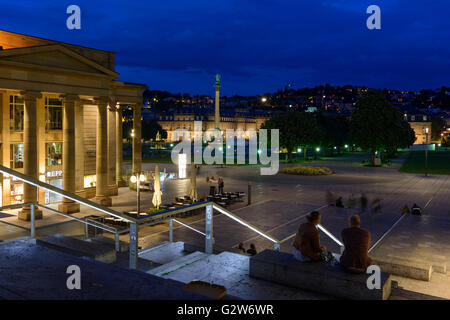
(178, 264)
(164, 254)
(154, 247)
(123, 246)
(405, 268)
(79, 248)
(39, 273)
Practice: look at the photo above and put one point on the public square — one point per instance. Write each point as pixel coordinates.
(280, 203)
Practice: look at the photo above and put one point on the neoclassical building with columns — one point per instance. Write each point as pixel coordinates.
(61, 121)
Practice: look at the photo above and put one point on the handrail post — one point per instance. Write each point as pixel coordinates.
(117, 241)
(209, 230)
(32, 222)
(86, 231)
(133, 245)
(276, 246)
(171, 230)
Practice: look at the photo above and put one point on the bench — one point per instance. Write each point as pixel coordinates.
(282, 268)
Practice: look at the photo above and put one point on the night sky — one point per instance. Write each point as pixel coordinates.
(258, 46)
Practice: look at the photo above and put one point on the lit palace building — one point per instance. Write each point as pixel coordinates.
(61, 120)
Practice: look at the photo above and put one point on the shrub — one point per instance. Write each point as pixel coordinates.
(307, 171)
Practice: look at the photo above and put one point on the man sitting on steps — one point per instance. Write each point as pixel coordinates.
(356, 241)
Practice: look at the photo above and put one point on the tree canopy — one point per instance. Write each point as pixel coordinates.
(377, 126)
(296, 129)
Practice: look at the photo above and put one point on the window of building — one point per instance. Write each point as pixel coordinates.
(16, 105)
(90, 181)
(54, 153)
(53, 114)
(16, 156)
(16, 193)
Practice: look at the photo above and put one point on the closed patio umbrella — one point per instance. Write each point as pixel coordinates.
(157, 195)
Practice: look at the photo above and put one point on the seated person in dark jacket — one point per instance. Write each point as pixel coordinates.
(356, 241)
(307, 241)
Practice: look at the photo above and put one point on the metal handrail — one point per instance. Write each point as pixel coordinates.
(85, 221)
(68, 195)
(188, 226)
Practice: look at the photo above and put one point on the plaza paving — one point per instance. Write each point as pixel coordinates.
(280, 202)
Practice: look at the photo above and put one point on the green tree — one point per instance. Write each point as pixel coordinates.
(335, 130)
(296, 129)
(377, 126)
(437, 126)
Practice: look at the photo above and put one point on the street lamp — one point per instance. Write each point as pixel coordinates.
(425, 131)
(138, 178)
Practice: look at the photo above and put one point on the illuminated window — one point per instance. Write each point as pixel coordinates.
(53, 114)
(16, 156)
(16, 106)
(54, 153)
(90, 181)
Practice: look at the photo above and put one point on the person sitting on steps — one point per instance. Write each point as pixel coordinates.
(307, 241)
(355, 257)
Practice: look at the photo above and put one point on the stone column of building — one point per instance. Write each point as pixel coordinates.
(68, 161)
(112, 185)
(137, 147)
(101, 193)
(30, 152)
(119, 148)
(79, 149)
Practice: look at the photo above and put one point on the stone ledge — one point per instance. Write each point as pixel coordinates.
(405, 268)
(282, 268)
(79, 248)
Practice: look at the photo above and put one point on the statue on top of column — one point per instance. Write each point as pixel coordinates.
(217, 79)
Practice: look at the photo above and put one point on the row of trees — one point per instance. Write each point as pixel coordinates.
(374, 126)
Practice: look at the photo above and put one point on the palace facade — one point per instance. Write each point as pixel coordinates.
(61, 121)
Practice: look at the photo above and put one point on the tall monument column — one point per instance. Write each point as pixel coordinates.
(67, 205)
(30, 152)
(119, 148)
(137, 147)
(217, 102)
(101, 193)
(112, 185)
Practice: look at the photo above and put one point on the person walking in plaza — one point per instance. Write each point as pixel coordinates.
(307, 240)
(220, 185)
(329, 198)
(351, 203)
(339, 203)
(363, 202)
(355, 257)
(376, 205)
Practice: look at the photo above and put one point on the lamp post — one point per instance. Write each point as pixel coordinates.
(425, 131)
(138, 178)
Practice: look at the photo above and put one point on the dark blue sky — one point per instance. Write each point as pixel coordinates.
(257, 45)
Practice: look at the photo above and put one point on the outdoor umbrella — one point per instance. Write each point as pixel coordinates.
(157, 195)
(193, 187)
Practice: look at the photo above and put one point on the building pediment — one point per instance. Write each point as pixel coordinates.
(55, 58)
